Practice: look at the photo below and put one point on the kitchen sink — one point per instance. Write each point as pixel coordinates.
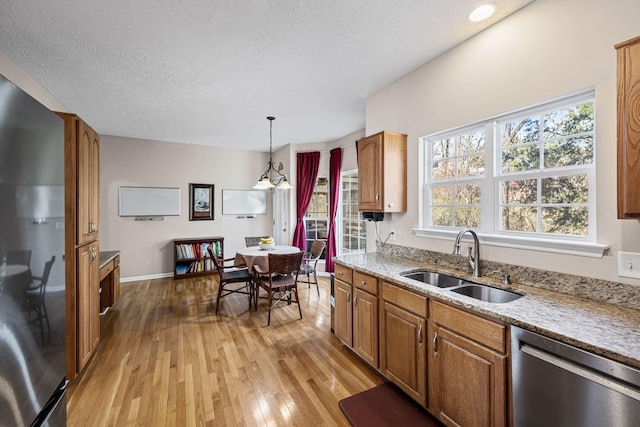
(431, 278)
(486, 293)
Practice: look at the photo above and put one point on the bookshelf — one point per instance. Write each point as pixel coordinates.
(191, 258)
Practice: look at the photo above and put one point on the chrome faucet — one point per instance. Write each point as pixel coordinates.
(474, 260)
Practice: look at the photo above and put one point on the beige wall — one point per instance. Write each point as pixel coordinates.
(146, 246)
(549, 49)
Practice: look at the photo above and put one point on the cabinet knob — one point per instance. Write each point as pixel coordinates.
(377, 197)
(420, 334)
(355, 302)
(363, 282)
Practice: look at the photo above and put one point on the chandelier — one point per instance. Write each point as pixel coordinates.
(266, 181)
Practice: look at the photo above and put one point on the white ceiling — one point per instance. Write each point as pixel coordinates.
(208, 72)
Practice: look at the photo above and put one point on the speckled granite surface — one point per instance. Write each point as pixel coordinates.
(601, 328)
(106, 256)
(609, 292)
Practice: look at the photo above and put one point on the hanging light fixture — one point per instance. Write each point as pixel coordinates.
(265, 181)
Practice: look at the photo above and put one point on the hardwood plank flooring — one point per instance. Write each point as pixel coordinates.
(166, 359)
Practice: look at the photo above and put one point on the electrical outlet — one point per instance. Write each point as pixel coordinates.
(629, 264)
(393, 234)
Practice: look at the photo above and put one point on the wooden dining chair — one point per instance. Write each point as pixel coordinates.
(253, 241)
(229, 277)
(310, 263)
(35, 298)
(280, 280)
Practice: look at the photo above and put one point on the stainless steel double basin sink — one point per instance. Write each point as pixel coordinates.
(463, 287)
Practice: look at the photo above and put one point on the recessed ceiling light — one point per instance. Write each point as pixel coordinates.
(482, 12)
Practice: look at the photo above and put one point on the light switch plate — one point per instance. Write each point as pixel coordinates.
(629, 264)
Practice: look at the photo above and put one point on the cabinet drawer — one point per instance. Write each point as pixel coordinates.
(342, 273)
(106, 270)
(483, 331)
(405, 299)
(365, 282)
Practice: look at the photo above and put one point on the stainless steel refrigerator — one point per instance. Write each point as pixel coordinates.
(32, 274)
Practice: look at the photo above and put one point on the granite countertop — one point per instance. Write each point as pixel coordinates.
(608, 330)
(107, 256)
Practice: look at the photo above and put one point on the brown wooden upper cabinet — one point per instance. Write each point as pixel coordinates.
(629, 128)
(84, 173)
(382, 173)
(82, 225)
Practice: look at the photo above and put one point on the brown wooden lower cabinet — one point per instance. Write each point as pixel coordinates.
(88, 303)
(109, 284)
(116, 281)
(342, 294)
(365, 326)
(405, 351)
(403, 337)
(450, 361)
(467, 379)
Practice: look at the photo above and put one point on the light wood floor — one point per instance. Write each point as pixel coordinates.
(165, 358)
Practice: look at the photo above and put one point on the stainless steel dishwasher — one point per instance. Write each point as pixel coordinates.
(558, 385)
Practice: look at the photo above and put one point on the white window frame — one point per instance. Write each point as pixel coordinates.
(340, 219)
(490, 222)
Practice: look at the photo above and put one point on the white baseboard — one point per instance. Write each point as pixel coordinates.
(147, 277)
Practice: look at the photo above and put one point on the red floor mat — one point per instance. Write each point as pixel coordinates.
(384, 405)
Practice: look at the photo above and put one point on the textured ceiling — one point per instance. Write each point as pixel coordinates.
(208, 72)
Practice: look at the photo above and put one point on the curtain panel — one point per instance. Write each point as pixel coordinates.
(307, 173)
(335, 164)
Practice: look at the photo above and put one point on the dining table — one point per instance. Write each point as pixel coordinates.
(14, 274)
(256, 256)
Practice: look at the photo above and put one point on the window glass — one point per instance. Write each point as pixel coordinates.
(316, 220)
(353, 229)
(543, 180)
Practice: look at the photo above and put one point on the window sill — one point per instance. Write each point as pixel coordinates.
(568, 247)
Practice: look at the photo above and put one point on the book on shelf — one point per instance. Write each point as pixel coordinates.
(197, 250)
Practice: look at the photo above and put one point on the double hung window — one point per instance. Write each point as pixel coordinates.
(529, 173)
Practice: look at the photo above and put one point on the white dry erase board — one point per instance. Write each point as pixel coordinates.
(244, 202)
(149, 201)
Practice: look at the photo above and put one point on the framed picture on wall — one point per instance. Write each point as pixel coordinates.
(200, 202)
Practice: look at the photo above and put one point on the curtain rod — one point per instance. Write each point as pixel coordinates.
(327, 151)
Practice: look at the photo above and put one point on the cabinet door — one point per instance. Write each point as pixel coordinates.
(404, 361)
(629, 129)
(467, 382)
(342, 312)
(87, 184)
(88, 302)
(370, 174)
(365, 326)
(116, 285)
